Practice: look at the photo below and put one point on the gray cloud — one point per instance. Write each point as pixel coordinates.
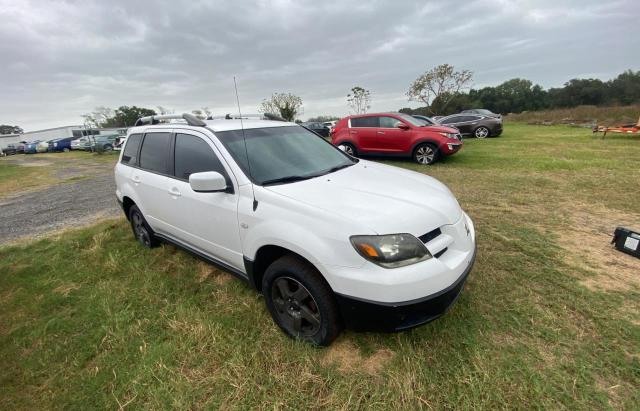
(62, 58)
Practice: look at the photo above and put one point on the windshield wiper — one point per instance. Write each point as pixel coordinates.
(336, 168)
(287, 179)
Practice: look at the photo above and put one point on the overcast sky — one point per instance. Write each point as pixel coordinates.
(61, 59)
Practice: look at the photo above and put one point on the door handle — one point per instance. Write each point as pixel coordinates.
(136, 179)
(353, 132)
(175, 192)
(380, 132)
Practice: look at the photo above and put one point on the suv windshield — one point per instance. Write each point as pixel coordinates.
(280, 155)
(411, 120)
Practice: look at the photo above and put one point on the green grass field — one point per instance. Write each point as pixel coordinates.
(550, 317)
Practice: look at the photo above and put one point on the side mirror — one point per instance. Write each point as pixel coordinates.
(402, 126)
(207, 182)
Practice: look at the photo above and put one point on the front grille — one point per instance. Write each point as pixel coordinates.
(425, 238)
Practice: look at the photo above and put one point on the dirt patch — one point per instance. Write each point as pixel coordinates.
(586, 240)
(346, 356)
(207, 271)
(66, 289)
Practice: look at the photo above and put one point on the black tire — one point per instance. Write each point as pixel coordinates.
(482, 132)
(141, 230)
(425, 153)
(301, 303)
(350, 149)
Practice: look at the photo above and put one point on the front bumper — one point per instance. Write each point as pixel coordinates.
(363, 315)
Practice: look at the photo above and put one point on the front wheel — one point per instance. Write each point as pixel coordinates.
(425, 154)
(481, 132)
(300, 301)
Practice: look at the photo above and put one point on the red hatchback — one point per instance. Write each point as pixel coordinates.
(395, 134)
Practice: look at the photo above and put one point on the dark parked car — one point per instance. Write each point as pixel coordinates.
(481, 112)
(32, 147)
(474, 125)
(104, 142)
(318, 128)
(10, 149)
(429, 120)
(20, 147)
(61, 144)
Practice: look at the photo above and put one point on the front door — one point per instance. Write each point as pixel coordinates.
(208, 221)
(390, 138)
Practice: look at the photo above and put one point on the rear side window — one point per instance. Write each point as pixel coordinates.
(371, 121)
(130, 154)
(193, 155)
(154, 153)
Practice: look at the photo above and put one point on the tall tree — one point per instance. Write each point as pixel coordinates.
(7, 129)
(359, 100)
(123, 116)
(286, 104)
(441, 82)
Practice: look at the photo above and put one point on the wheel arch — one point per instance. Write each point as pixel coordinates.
(264, 257)
(423, 141)
(127, 202)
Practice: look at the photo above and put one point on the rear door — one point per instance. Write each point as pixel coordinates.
(207, 222)
(150, 179)
(363, 131)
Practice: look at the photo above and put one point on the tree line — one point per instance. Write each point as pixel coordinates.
(518, 95)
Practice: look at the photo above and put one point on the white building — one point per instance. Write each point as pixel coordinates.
(69, 131)
(6, 139)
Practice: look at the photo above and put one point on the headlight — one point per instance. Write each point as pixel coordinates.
(391, 251)
(449, 135)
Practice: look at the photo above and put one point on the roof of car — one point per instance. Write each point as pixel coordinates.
(218, 125)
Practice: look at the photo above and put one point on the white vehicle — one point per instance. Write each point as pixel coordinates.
(329, 240)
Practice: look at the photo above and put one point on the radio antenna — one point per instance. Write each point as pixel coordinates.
(244, 139)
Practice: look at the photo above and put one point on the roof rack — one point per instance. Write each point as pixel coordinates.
(189, 118)
(263, 116)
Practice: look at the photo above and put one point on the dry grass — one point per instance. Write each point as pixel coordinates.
(581, 115)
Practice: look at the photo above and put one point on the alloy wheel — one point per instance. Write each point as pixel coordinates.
(348, 149)
(482, 132)
(141, 232)
(425, 154)
(295, 307)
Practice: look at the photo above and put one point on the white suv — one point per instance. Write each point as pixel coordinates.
(328, 239)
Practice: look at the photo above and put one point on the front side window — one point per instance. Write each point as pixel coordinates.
(193, 155)
(130, 154)
(389, 122)
(370, 121)
(279, 155)
(154, 152)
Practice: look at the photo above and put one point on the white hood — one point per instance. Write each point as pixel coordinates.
(383, 198)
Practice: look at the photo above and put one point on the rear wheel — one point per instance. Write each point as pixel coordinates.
(481, 132)
(425, 154)
(300, 301)
(349, 149)
(141, 230)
